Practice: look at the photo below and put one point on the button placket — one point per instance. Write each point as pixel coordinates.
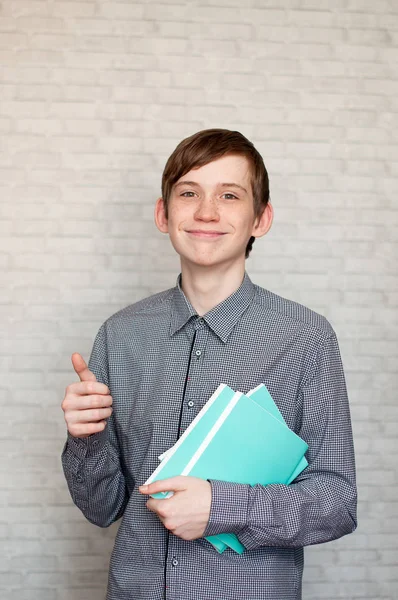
(193, 389)
(173, 569)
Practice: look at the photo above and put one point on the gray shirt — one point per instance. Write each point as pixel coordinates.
(162, 362)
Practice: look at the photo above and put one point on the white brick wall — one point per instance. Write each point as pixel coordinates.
(94, 95)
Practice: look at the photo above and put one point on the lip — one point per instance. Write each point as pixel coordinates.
(205, 234)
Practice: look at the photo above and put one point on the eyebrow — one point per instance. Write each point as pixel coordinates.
(195, 184)
(234, 185)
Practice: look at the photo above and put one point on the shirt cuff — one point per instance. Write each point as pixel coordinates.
(229, 507)
(83, 448)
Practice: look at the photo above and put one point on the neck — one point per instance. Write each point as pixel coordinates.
(206, 287)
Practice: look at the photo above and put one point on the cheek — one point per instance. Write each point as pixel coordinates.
(244, 223)
(178, 215)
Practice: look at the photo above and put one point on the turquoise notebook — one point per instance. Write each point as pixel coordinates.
(210, 411)
(243, 430)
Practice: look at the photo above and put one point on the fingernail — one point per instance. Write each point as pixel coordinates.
(143, 488)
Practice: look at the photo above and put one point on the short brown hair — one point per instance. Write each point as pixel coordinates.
(210, 144)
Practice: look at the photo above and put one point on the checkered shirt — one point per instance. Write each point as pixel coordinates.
(162, 362)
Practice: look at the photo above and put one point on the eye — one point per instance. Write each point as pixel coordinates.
(188, 194)
(229, 196)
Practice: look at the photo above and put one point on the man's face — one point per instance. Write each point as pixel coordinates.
(211, 213)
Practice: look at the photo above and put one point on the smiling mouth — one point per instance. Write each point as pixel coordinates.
(206, 234)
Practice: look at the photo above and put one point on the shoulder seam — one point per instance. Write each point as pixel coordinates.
(157, 300)
(326, 331)
(315, 360)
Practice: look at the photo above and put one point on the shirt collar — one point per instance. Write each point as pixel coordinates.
(222, 318)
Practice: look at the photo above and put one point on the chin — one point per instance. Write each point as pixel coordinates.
(202, 261)
(207, 261)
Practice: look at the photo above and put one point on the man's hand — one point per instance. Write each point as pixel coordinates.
(186, 513)
(87, 403)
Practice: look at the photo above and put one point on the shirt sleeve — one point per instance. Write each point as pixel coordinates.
(92, 465)
(320, 505)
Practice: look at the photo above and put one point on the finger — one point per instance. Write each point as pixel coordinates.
(83, 430)
(160, 507)
(81, 368)
(151, 505)
(89, 416)
(172, 484)
(83, 388)
(85, 402)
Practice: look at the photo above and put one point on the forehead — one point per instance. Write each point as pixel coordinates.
(232, 168)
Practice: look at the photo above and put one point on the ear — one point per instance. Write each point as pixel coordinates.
(160, 216)
(263, 223)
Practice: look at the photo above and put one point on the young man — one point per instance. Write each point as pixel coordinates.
(154, 365)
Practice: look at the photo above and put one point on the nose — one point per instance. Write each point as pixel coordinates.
(207, 210)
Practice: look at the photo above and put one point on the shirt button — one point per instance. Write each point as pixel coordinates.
(174, 562)
(191, 403)
(198, 352)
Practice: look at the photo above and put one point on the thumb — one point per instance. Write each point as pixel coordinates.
(79, 364)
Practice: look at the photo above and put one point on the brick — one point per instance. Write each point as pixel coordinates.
(356, 53)
(73, 9)
(42, 58)
(5, 125)
(25, 7)
(40, 23)
(372, 70)
(107, 44)
(124, 77)
(380, 86)
(123, 10)
(49, 41)
(139, 61)
(12, 578)
(386, 492)
(86, 93)
(70, 109)
(41, 126)
(209, 48)
(83, 593)
(377, 37)
(387, 556)
(13, 40)
(369, 556)
(75, 76)
(29, 594)
(329, 69)
(8, 92)
(386, 412)
(367, 5)
(87, 60)
(19, 108)
(355, 590)
(360, 20)
(7, 24)
(159, 46)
